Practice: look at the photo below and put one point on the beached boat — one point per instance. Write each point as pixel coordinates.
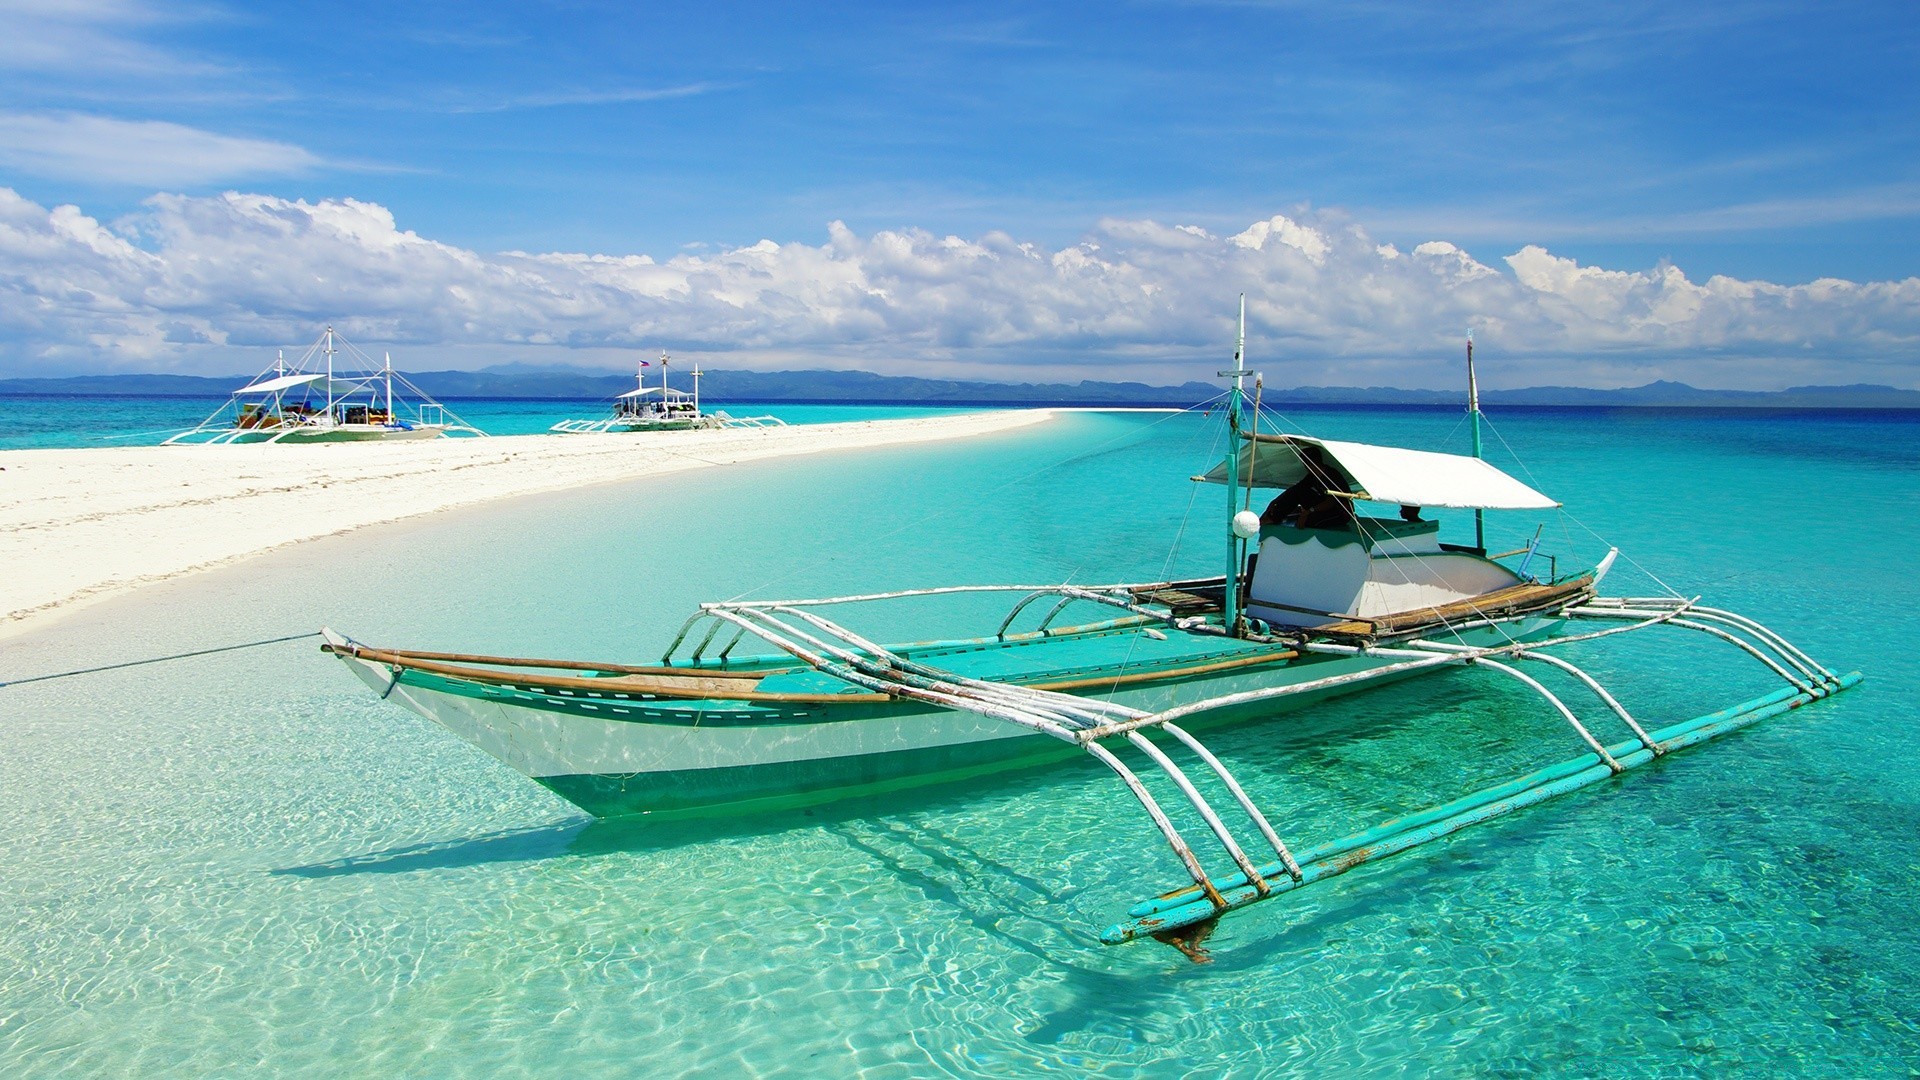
(1333, 599)
(319, 398)
(661, 408)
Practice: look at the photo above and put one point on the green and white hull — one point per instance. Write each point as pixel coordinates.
(617, 752)
(335, 433)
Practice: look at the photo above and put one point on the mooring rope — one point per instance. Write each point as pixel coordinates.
(159, 659)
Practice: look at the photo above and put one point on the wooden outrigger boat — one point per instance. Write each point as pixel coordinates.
(660, 408)
(1326, 608)
(314, 399)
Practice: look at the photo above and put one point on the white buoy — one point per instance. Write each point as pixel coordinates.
(1246, 524)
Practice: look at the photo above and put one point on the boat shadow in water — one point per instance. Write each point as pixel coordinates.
(534, 844)
(1296, 739)
(585, 837)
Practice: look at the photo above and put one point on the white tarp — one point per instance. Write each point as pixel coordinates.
(282, 383)
(1387, 474)
(643, 392)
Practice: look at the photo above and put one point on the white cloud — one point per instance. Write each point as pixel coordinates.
(62, 37)
(1133, 299)
(149, 153)
(626, 96)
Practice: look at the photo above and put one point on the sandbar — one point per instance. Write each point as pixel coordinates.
(77, 526)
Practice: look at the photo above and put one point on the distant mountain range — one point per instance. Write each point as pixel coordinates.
(521, 381)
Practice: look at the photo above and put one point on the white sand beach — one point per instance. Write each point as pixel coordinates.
(80, 525)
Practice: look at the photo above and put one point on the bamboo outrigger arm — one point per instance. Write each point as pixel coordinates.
(1088, 723)
(1806, 679)
(1120, 596)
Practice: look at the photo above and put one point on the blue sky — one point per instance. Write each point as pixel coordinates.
(1762, 142)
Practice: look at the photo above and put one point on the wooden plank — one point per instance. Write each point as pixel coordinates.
(1192, 601)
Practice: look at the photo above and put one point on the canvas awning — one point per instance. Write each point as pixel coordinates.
(272, 386)
(646, 390)
(1386, 474)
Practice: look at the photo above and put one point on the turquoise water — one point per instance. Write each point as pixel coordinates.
(30, 421)
(243, 863)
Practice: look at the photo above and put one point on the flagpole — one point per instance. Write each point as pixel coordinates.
(1473, 412)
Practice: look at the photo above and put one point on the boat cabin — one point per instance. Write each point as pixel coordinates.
(1362, 567)
(656, 404)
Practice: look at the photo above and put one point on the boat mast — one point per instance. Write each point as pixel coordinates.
(1473, 413)
(389, 388)
(663, 380)
(329, 374)
(696, 387)
(1239, 372)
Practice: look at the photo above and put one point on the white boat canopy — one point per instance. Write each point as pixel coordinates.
(1386, 474)
(646, 390)
(272, 386)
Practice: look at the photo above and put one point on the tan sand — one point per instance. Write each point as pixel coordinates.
(80, 525)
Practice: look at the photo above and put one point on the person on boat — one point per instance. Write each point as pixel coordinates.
(1409, 513)
(1311, 503)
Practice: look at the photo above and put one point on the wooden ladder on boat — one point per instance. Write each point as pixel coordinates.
(1090, 724)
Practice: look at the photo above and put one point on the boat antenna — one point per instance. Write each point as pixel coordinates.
(1473, 413)
(1231, 601)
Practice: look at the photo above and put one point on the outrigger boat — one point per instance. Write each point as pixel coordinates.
(659, 408)
(316, 399)
(825, 712)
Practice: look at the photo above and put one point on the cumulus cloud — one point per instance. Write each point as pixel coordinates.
(1326, 302)
(150, 153)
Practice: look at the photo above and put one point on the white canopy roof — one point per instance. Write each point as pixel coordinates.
(281, 383)
(645, 390)
(1386, 474)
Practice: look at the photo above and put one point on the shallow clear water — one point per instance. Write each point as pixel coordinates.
(31, 421)
(242, 861)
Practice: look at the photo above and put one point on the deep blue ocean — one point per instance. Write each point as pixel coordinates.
(245, 864)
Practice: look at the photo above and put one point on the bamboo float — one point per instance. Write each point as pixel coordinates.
(1181, 909)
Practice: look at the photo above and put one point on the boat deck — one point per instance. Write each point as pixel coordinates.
(1189, 598)
(1513, 600)
(1186, 598)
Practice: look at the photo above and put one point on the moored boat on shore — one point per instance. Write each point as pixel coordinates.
(318, 399)
(660, 408)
